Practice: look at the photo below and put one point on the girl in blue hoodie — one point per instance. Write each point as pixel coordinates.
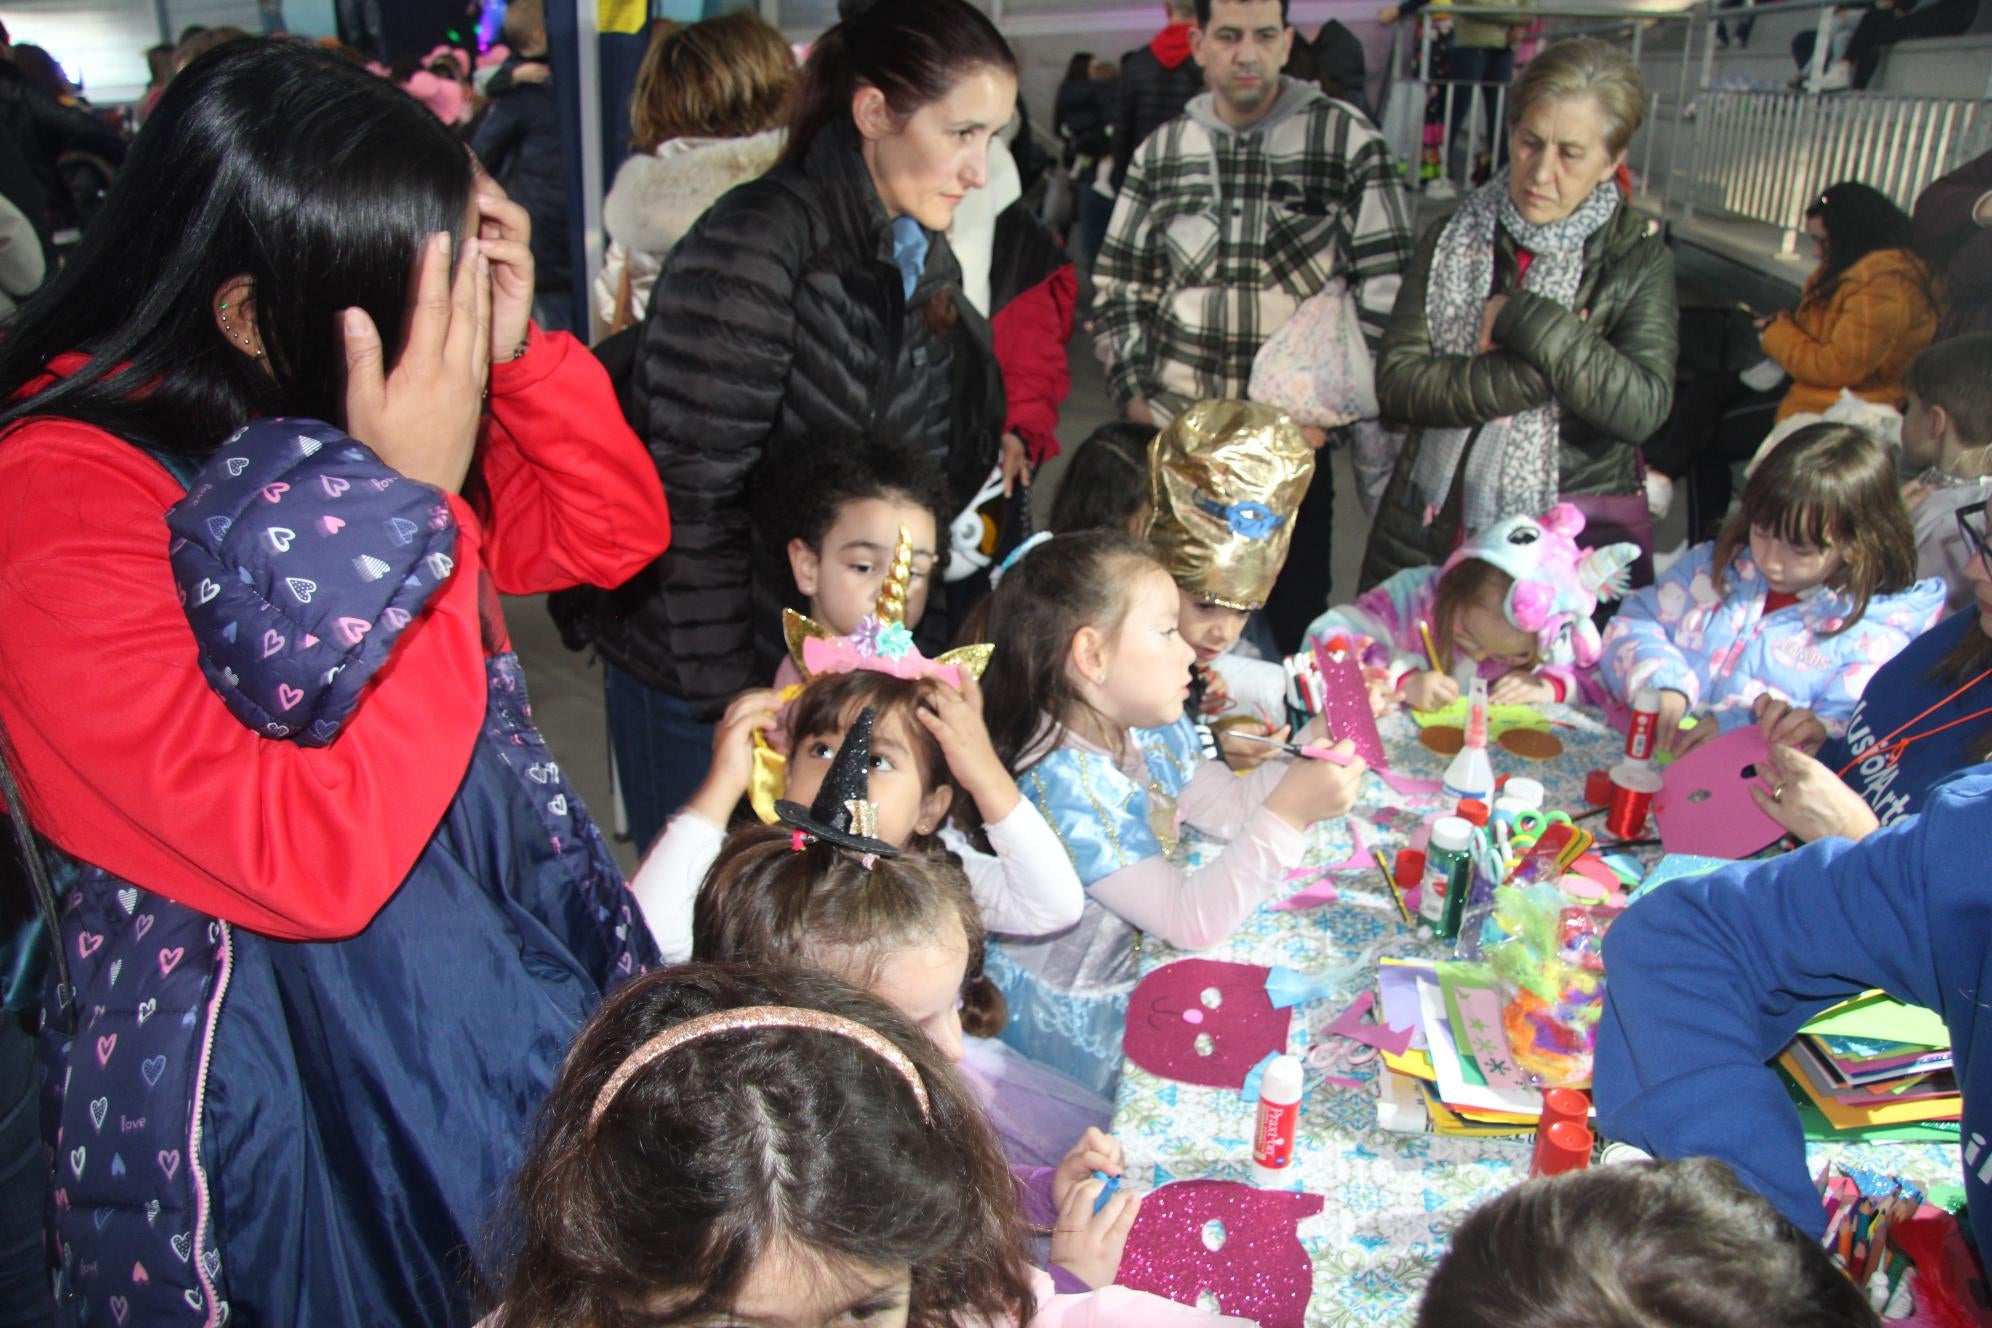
(1809, 590)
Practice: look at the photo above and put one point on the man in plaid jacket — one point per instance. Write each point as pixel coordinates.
(1234, 213)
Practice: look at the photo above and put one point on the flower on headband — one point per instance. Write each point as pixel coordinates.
(865, 636)
(894, 641)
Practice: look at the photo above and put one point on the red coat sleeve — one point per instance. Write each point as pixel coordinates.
(130, 762)
(1030, 334)
(574, 495)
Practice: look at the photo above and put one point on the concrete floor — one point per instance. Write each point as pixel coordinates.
(567, 688)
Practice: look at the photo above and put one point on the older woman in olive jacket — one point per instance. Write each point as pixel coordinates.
(1532, 344)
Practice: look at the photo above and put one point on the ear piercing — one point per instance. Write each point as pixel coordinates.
(247, 344)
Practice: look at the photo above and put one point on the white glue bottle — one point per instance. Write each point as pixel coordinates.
(1279, 1121)
(1471, 774)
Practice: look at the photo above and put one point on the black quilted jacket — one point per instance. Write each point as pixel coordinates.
(1150, 96)
(780, 324)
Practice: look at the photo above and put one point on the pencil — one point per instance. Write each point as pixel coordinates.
(1390, 886)
(1431, 651)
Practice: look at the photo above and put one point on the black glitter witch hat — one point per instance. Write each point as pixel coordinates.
(843, 813)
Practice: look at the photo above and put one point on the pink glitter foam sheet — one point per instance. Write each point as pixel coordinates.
(1203, 1021)
(1232, 1243)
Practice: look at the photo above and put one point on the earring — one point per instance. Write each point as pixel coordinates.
(247, 344)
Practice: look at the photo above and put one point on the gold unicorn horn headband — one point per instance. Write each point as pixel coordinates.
(881, 641)
(759, 1016)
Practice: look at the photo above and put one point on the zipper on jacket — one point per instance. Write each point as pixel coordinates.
(202, 1204)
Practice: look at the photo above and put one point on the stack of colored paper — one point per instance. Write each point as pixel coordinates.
(1874, 1068)
(1455, 1075)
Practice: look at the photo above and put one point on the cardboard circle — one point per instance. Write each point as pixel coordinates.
(1532, 744)
(1443, 739)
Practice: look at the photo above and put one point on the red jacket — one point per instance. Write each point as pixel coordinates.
(131, 762)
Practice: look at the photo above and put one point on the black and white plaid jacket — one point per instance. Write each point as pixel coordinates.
(1220, 234)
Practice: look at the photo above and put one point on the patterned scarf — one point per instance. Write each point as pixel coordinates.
(1513, 469)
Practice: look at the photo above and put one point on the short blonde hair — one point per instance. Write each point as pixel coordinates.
(1585, 66)
(725, 77)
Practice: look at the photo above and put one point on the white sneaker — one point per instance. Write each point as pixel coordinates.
(1659, 494)
(1836, 77)
(1441, 189)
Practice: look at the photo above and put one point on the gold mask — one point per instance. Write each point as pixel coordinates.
(1225, 480)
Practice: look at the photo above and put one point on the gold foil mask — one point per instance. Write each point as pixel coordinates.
(1225, 480)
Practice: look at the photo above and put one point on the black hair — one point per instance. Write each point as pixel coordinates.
(273, 160)
(1079, 66)
(41, 70)
(1105, 486)
(1204, 6)
(1638, 1245)
(913, 51)
(804, 497)
(1859, 220)
(752, 1140)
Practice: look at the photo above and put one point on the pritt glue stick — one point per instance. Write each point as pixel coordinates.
(1645, 724)
(1279, 1119)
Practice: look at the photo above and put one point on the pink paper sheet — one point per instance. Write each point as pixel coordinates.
(1704, 805)
(1406, 785)
(1322, 891)
(1350, 1024)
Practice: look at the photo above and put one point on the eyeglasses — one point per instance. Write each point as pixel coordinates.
(1971, 521)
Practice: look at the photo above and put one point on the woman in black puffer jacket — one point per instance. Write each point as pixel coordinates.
(817, 303)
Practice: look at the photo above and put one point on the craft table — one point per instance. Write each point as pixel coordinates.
(1393, 1199)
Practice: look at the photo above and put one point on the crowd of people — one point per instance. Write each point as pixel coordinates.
(326, 999)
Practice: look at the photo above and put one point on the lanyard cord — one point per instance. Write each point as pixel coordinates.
(1892, 749)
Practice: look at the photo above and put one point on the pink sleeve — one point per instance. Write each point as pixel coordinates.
(1118, 1307)
(1197, 909)
(1217, 802)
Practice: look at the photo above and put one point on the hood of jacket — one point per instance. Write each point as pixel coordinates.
(1294, 99)
(1171, 45)
(1881, 263)
(658, 195)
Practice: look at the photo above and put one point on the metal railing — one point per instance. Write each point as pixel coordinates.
(1766, 156)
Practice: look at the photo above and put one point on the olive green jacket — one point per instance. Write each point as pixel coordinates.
(1609, 364)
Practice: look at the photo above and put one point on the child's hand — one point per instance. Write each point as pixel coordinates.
(1782, 722)
(1915, 493)
(1314, 790)
(1096, 1151)
(1241, 755)
(1667, 735)
(1087, 1244)
(733, 754)
(955, 720)
(1429, 690)
(1383, 697)
(1809, 800)
(1521, 687)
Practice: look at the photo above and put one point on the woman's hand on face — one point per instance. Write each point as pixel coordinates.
(422, 416)
(1087, 1244)
(504, 235)
(1782, 722)
(1809, 800)
(1488, 316)
(1429, 690)
(1521, 687)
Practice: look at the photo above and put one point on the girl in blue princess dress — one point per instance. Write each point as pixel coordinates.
(1085, 700)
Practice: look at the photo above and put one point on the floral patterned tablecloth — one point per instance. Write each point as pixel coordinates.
(1393, 1199)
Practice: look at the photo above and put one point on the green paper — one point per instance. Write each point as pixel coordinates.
(1451, 978)
(1500, 718)
(1879, 1015)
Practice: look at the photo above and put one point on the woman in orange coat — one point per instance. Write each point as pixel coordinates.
(1868, 310)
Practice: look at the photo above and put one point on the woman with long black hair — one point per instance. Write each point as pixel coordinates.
(321, 913)
(817, 302)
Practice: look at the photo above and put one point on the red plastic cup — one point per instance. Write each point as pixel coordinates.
(1598, 788)
(1561, 1105)
(1409, 868)
(1561, 1147)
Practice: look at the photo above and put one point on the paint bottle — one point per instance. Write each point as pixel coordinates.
(1641, 738)
(1446, 866)
(1278, 1123)
(1471, 774)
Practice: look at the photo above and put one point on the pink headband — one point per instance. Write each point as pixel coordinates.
(758, 1016)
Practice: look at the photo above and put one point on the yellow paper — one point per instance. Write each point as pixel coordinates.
(1500, 718)
(622, 15)
(1876, 1014)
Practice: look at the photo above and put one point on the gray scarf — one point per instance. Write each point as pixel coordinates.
(1513, 469)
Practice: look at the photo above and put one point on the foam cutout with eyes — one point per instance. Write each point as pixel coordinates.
(1202, 1240)
(1704, 805)
(1204, 1022)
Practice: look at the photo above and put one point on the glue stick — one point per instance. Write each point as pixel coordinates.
(1279, 1120)
(1639, 739)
